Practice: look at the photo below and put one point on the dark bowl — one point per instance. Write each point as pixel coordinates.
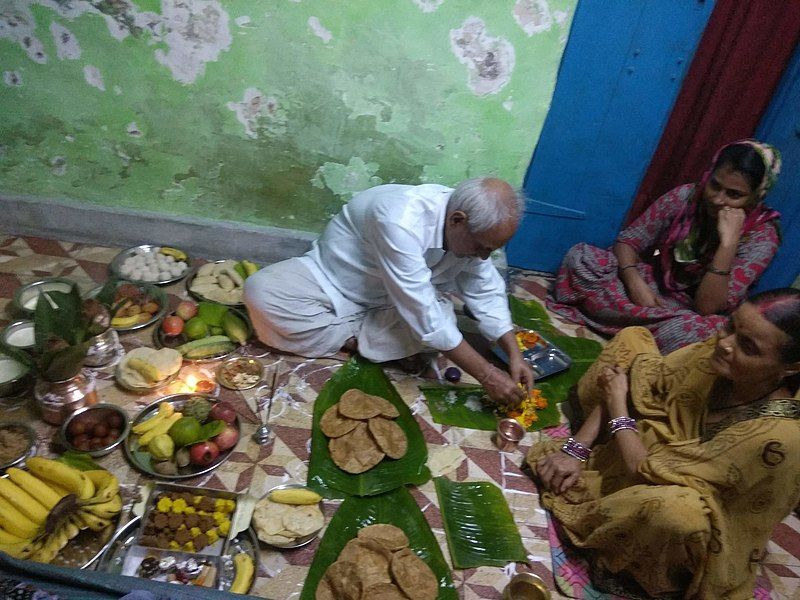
(27, 431)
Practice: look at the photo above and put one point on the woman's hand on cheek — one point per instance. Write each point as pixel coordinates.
(729, 225)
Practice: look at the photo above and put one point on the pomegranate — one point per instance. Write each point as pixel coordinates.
(172, 326)
(203, 453)
(224, 412)
(186, 310)
(227, 439)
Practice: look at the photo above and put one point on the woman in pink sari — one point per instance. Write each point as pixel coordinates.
(687, 261)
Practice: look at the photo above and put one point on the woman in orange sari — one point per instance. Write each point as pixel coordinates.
(700, 458)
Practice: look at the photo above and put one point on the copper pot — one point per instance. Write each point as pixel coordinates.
(58, 399)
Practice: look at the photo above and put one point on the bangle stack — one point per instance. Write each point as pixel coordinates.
(620, 423)
(576, 450)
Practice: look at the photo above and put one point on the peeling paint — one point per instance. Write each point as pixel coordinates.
(258, 113)
(428, 5)
(93, 77)
(533, 16)
(67, 47)
(58, 166)
(12, 78)
(18, 25)
(133, 130)
(243, 21)
(347, 180)
(318, 30)
(508, 104)
(489, 60)
(197, 32)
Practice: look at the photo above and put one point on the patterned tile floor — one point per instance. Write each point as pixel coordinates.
(255, 468)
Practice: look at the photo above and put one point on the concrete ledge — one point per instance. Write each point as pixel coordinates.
(202, 238)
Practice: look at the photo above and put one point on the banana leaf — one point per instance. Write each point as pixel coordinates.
(331, 481)
(461, 406)
(532, 315)
(395, 508)
(478, 523)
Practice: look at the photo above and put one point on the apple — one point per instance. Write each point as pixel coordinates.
(203, 453)
(172, 326)
(227, 439)
(186, 310)
(223, 411)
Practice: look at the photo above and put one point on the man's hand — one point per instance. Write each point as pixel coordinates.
(500, 387)
(558, 471)
(521, 372)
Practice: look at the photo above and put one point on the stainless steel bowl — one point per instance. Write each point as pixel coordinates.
(25, 298)
(16, 384)
(28, 432)
(98, 412)
(102, 348)
(116, 265)
(14, 333)
(300, 541)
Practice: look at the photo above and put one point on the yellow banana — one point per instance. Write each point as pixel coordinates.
(62, 474)
(106, 510)
(165, 409)
(15, 523)
(51, 546)
(74, 518)
(162, 427)
(245, 568)
(44, 492)
(92, 521)
(10, 538)
(106, 486)
(295, 496)
(71, 529)
(20, 550)
(174, 252)
(23, 501)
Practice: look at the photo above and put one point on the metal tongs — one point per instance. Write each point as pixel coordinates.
(264, 431)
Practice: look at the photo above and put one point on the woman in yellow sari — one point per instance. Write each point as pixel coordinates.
(698, 462)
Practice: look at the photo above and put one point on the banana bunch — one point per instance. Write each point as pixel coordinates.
(41, 509)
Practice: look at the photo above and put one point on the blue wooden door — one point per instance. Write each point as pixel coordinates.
(781, 126)
(622, 69)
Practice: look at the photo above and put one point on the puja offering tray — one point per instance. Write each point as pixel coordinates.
(157, 547)
(544, 357)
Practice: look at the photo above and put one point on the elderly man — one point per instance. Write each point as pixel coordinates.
(377, 280)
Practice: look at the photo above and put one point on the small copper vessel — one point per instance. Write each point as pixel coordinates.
(526, 586)
(508, 435)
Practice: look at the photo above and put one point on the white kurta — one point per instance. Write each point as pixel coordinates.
(383, 273)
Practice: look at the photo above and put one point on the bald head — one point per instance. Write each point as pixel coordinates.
(487, 202)
(482, 215)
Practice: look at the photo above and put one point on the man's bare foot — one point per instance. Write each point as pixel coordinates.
(350, 346)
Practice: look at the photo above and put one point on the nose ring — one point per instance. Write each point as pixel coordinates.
(727, 348)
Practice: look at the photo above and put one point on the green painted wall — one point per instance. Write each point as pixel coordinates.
(268, 111)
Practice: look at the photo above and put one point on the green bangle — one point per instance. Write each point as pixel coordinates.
(715, 271)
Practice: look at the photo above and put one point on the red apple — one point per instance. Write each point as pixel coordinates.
(227, 439)
(186, 310)
(223, 411)
(203, 453)
(172, 326)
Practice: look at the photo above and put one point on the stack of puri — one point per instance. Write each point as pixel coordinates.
(378, 565)
(362, 431)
